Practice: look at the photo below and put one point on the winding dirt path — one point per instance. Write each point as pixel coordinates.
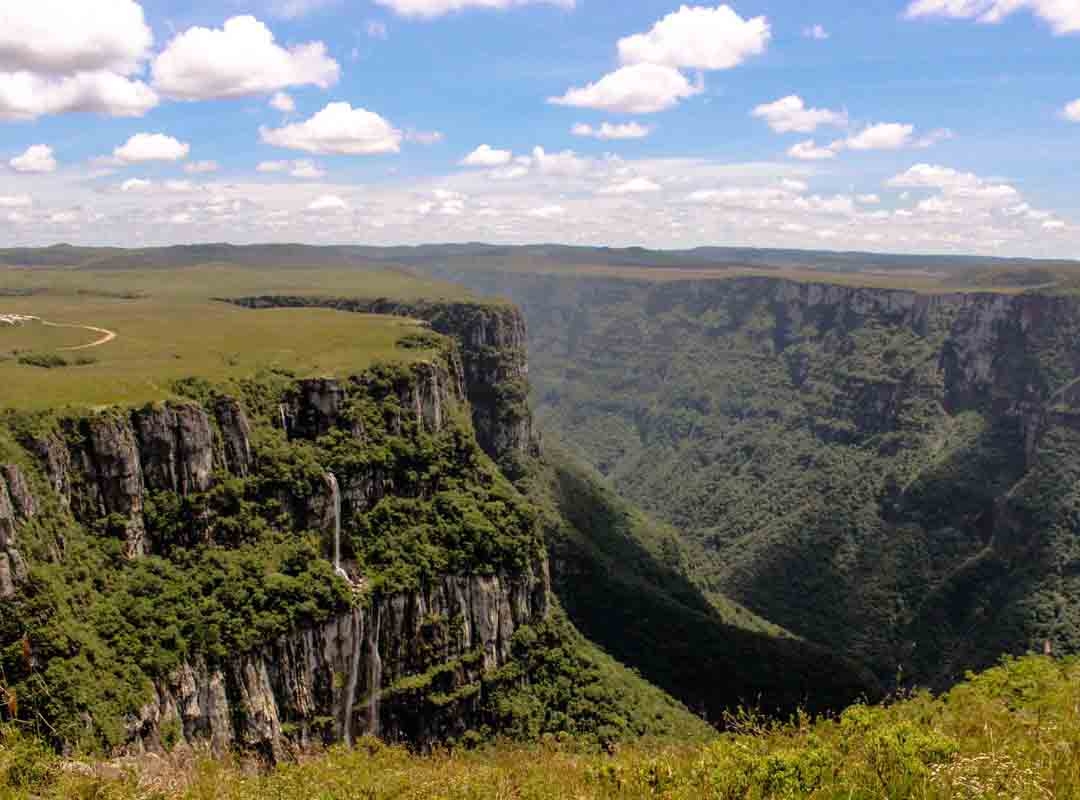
(106, 335)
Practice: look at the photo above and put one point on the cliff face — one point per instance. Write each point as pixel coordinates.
(494, 353)
(437, 559)
(366, 671)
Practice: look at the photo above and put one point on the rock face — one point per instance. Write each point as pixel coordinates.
(494, 354)
(342, 679)
(17, 505)
(176, 448)
(234, 453)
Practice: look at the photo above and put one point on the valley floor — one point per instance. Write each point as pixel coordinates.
(1011, 732)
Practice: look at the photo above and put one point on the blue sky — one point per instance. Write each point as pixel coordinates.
(915, 126)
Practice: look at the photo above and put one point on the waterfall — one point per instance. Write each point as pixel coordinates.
(284, 419)
(375, 676)
(354, 673)
(335, 496)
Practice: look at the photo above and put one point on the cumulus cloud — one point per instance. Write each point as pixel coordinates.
(487, 156)
(328, 202)
(135, 185)
(816, 32)
(608, 130)
(637, 89)
(547, 212)
(58, 37)
(37, 158)
(1072, 111)
(57, 57)
(791, 115)
(302, 168)
(201, 167)
(883, 136)
(283, 102)
(143, 147)
(809, 151)
(239, 59)
(698, 37)
(1063, 15)
(566, 163)
(15, 201)
(338, 129)
(428, 9)
(637, 185)
(27, 95)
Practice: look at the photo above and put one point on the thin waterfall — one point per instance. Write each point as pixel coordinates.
(284, 419)
(376, 669)
(354, 673)
(335, 496)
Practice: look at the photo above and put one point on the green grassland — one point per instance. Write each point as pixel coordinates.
(169, 326)
(1012, 732)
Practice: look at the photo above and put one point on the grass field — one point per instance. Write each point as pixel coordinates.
(168, 326)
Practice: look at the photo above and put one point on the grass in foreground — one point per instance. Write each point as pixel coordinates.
(1012, 732)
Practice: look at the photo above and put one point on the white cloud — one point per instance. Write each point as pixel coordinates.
(794, 185)
(15, 201)
(936, 177)
(272, 166)
(869, 199)
(36, 158)
(1054, 225)
(791, 115)
(547, 212)
(883, 136)
(637, 89)
(817, 32)
(809, 151)
(143, 147)
(698, 37)
(135, 185)
(566, 163)
(27, 95)
(487, 156)
(424, 137)
(337, 129)
(239, 59)
(328, 202)
(429, 9)
(60, 37)
(1063, 15)
(283, 102)
(57, 56)
(376, 29)
(637, 185)
(1072, 111)
(305, 168)
(181, 187)
(608, 130)
(200, 167)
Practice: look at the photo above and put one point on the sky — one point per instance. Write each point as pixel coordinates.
(943, 126)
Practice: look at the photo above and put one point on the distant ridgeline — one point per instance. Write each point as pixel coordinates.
(890, 474)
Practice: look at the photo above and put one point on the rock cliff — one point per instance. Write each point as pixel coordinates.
(365, 671)
(493, 344)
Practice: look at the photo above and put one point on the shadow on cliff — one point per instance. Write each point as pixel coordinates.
(650, 617)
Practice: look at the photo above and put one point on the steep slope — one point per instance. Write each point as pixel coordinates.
(887, 473)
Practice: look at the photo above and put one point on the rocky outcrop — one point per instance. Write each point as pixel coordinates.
(493, 344)
(234, 452)
(176, 448)
(17, 505)
(363, 671)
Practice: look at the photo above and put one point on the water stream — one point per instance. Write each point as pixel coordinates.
(284, 419)
(354, 674)
(375, 677)
(335, 497)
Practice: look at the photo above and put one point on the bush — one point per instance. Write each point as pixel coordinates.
(43, 360)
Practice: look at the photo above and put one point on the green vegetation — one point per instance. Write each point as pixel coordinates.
(1011, 732)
